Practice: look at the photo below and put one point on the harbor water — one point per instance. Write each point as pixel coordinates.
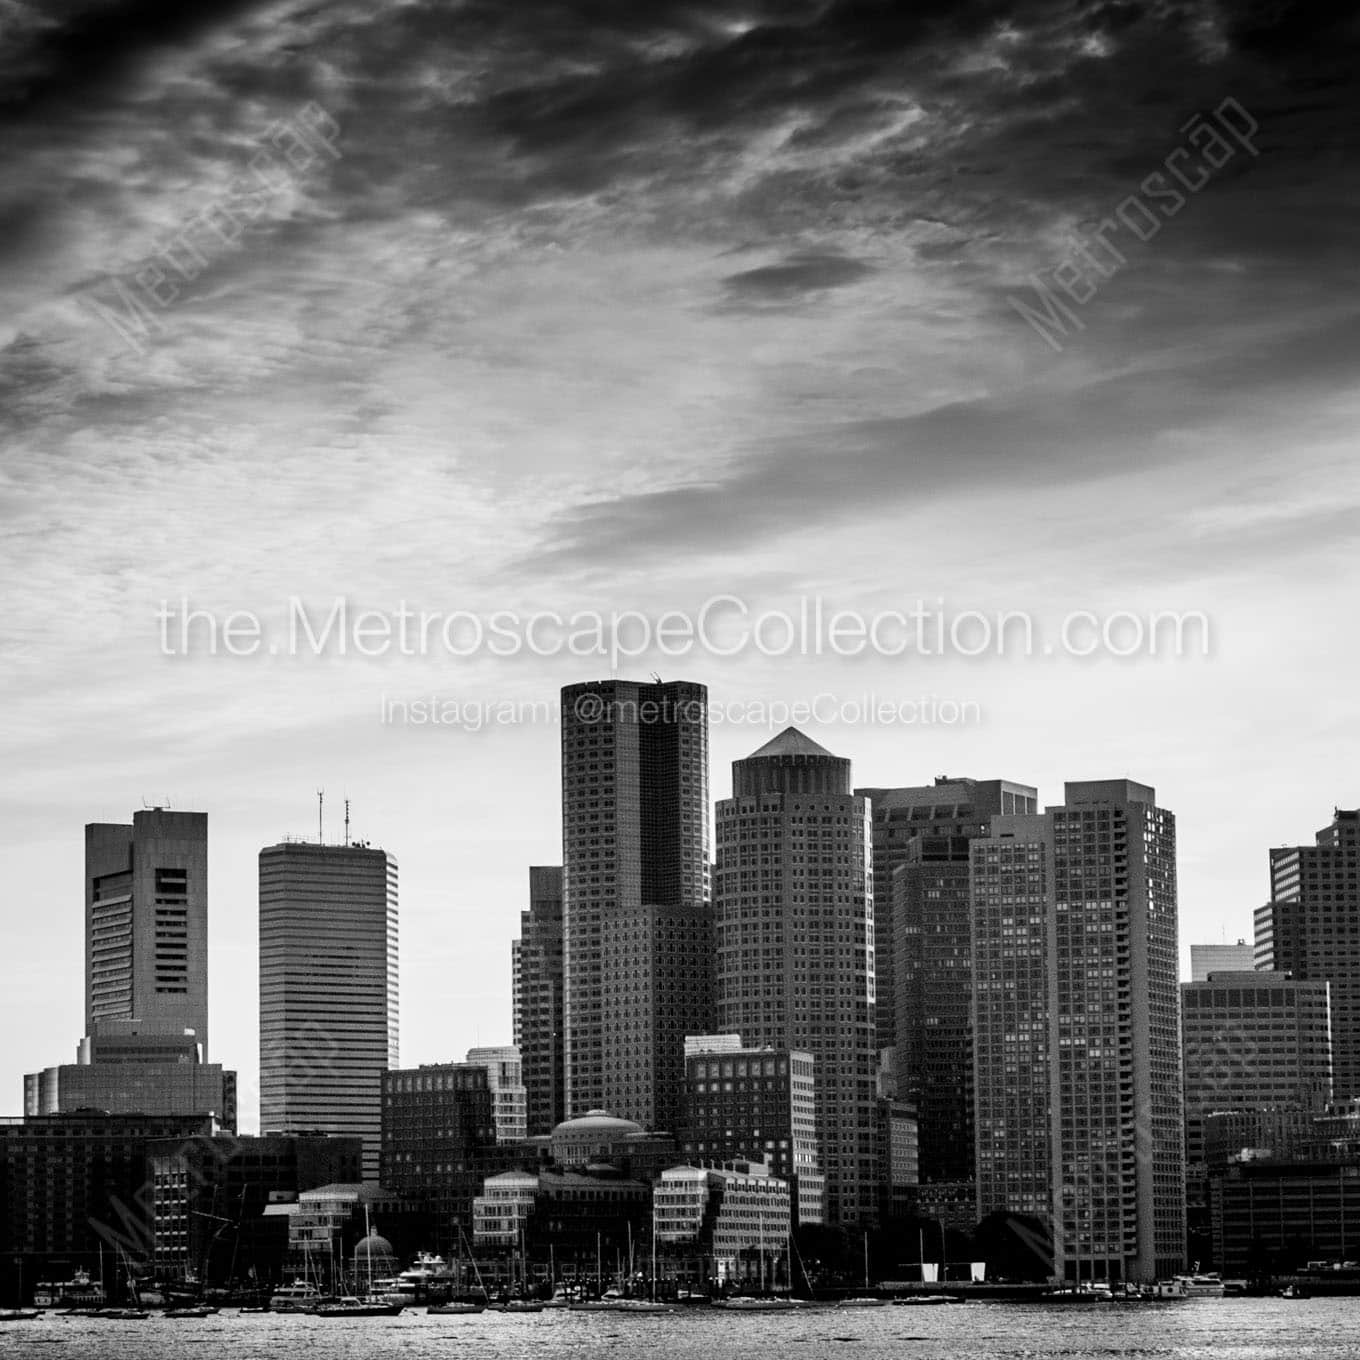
(1197, 1329)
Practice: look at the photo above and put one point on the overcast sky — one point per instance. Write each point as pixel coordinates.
(618, 306)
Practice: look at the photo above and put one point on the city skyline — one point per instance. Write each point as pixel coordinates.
(486, 1030)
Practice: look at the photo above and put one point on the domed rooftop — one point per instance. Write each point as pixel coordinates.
(373, 1246)
(596, 1123)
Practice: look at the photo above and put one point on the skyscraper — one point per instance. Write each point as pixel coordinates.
(794, 907)
(536, 965)
(146, 978)
(1310, 928)
(146, 922)
(1076, 1034)
(923, 953)
(637, 923)
(328, 989)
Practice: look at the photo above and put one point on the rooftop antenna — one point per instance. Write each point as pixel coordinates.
(347, 822)
(321, 816)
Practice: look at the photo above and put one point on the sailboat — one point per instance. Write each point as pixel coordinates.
(459, 1303)
(370, 1304)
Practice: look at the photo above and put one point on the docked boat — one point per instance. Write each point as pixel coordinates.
(456, 1307)
(920, 1300)
(299, 1297)
(863, 1301)
(640, 1306)
(744, 1303)
(348, 1305)
(19, 1314)
(77, 1292)
(1208, 1286)
(192, 1310)
(515, 1306)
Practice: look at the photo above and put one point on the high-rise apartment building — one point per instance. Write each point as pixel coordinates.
(505, 1077)
(328, 989)
(923, 953)
(1310, 929)
(795, 944)
(536, 968)
(1221, 958)
(637, 922)
(1252, 1041)
(146, 921)
(1077, 1049)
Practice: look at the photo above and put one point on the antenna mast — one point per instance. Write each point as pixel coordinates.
(346, 822)
(321, 816)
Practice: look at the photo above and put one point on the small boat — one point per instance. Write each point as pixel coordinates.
(862, 1301)
(191, 1310)
(919, 1300)
(745, 1303)
(299, 1297)
(120, 1314)
(1202, 1286)
(456, 1308)
(350, 1306)
(1293, 1291)
(640, 1306)
(19, 1314)
(516, 1306)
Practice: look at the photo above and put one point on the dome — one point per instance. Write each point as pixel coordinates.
(596, 1123)
(372, 1246)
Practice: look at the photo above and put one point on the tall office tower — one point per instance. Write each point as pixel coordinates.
(1221, 958)
(1253, 1040)
(536, 965)
(794, 906)
(1077, 1051)
(922, 952)
(912, 825)
(1310, 928)
(636, 919)
(505, 1078)
(328, 989)
(146, 921)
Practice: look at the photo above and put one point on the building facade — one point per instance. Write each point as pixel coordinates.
(923, 952)
(438, 1132)
(735, 1221)
(539, 1028)
(146, 921)
(795, 945)
(637, 921)
(210, 1196)
(509, 1099)
(1310, 929)
(745, 1104)
(328, 990)
(1076, 1029)
(1253, 1040)
(72, 1184)
(1221, 958)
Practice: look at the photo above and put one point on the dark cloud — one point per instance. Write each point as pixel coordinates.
(794, 279)
(1022, 442)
